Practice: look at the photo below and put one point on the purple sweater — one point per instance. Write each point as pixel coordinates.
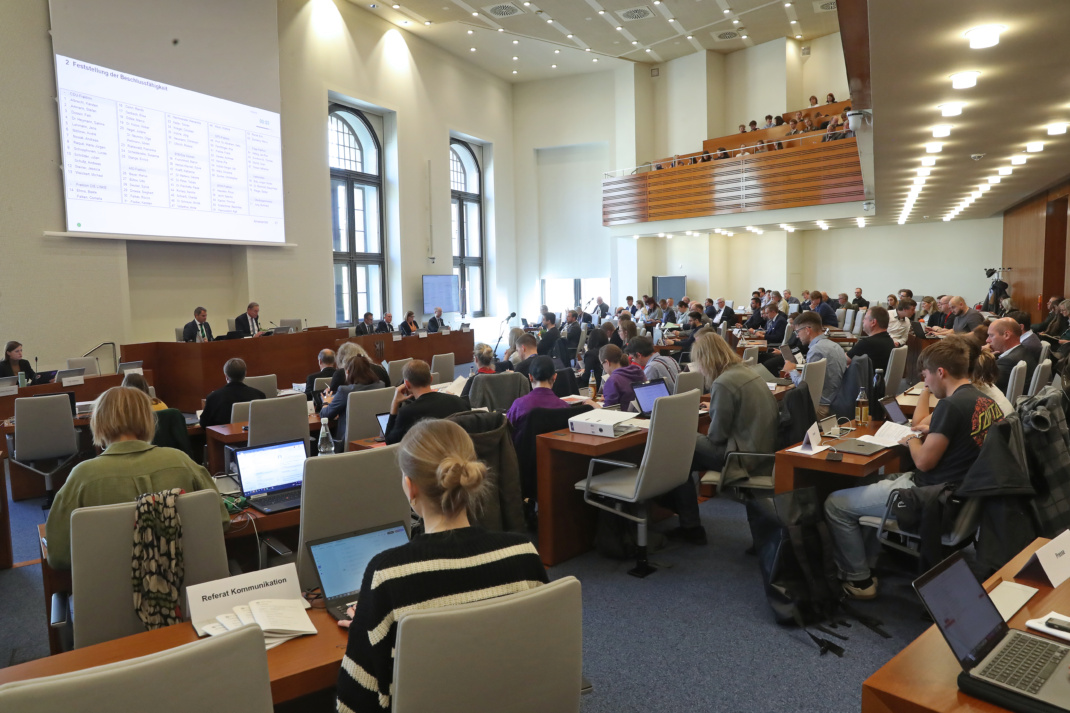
(619, 389)
(518, 412)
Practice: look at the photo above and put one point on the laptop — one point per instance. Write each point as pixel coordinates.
(830, 427)
(917, 328)
(69, 373)
(383, 419)
(126, 366)
(647, 393)
(857, 447)
(895, 414)
(524, 321)
(271, 475)
(43, 377)
(991, 653)
(340, 562)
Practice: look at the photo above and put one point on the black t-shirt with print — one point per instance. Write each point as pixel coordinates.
(963, 418)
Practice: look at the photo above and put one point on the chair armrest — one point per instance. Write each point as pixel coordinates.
(60, 610)
(615, 463)
(279, 548)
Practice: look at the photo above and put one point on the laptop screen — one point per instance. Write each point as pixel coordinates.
(646, 394)
(341, 561)
(962, 610)
(265, 469)
(383, 419)
(894, 412)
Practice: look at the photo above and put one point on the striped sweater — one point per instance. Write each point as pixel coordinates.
(433, 570)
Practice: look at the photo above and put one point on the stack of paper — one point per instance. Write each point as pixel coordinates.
(455, 387)
(888, 435)
(280, 620)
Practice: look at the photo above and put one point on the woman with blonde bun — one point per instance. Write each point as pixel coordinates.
(452, 562)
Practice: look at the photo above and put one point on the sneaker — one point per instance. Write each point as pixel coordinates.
(692, 535)
(858, 592)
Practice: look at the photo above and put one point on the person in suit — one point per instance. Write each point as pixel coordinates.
(14, 363)
(198, 330)
(776, 322)
(436, 322)
(217, 406)
(723, 314)
(326, 362)
(570, 341)
(755, 319)
(410, 325)
(550, 335)
(367, 326)
(415, 400)
(1029, 338)
(249, 323)
(386, 324)
(601, 307)
(1004, 336)
(632, 307)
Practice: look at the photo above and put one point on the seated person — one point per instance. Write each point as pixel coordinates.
(415, 400)
(570, 337)
(359, 377)
(622, 377)
(942, 452)
(899, 328)
(878, 344)
(810, 332)
(776, 324)
(347, 351)
(550, 334)
(511, 355)
(755, 320)
(325, 360)
(436, 322)
(485, 364)
(542, 377)
(137, 381)
(686, 337)
(1029, 338)
(1004, 338)
(623, 333)
(13, 362)
(410, 325)
(386, 324)
(526, 349)
(939, 317)
(248, 324)
(123, 425)
(198, 330)
(983, 374)
(823, 309)
(450, 561)
(640, 350)
(367, 326)
(217, 406)
(961, 319)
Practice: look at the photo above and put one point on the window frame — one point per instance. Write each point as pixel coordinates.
(462, 260)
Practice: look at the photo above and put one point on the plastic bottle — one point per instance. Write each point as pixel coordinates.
(471, 371)
(862, 408)
(325, 447)
(879, 392)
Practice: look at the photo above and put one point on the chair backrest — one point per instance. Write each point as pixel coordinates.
(897, 364)
(44, 428)
(214, 663)
(1045, 352)
(448, 657)
(792, 308)
(294, 324)
(751, 361)
(152, 392)
(857, 330)
(841, 317)
(723, 330)
(178, 334)
(232, 324)
(750, 353)
(444, 364)
(321, 383)
(1015, 385)
(361, 410)
(539, 421)
(566, 383)
(688, 380)
(1041, 377)
(394, 369)
(583, 338)
(669, 446)
(90, 364)
(730, 304)
(348, 492)
(1057, 382)
(849, 320)
(497, 392)
(101, 541)
(814, 376)
(269, 384)
(239, 412)
(277, 420)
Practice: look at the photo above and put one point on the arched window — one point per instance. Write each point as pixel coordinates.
(466, 190)
(355, 162)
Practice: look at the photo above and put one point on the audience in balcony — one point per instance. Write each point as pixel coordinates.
(830, 99)
(769, 122)
(753, 125)
(742, 128)
(813, 103)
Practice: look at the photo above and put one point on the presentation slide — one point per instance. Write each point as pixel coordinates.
(144, 158)
(442, 291)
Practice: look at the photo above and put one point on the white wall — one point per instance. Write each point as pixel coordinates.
(823, 71)
(755, 79)
(680, 118)
(569, 194)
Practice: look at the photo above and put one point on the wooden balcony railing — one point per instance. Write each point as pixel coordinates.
(817, 174)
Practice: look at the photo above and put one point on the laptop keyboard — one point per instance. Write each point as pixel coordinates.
(1025, 663)
(276, 500)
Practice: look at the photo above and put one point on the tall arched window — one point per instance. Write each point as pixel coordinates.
(466, 190)
(355, 161)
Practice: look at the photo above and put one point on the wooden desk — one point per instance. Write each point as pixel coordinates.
(297, 667)
(922, 676)
(909, 402)
(93, 387)
(382, 347)
(365, 444)
(229, 434)
(794, 470)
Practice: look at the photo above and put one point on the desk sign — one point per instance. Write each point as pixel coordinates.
(311, 408)
(1051, 563)
(445, 331)
(9, 390)
(422, 334)
(466, 329)
(811, 444)
(73, 381)
(136, 370)
(396, 336)
(209, 600)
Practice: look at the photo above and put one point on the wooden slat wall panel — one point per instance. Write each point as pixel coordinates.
(809, 175)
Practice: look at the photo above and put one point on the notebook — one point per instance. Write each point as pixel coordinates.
(647, 393)
(271, 475)
(340, 562)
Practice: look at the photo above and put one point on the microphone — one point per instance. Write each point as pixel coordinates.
(511, 315)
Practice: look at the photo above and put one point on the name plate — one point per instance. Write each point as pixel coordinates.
(73, 380)
(311, 408)
(396, 336)
(466, 329)
(422, 334)
(137, 370)
(1051, 563)
(445, 331)
(9, 390)
(208, 600)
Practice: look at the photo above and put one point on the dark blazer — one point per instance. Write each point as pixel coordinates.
(310, 382)
(755, 320)
(548, 341)
(363, 329)
(406, 330)
(431, 405)
(189, 332)
(727, 316)
(337, 410)
(602, 309)
(433, 324)
(24, 367)
(1008, 360)
(217, 405)
(242, 326)
(586, 317)
(384, 327)
(775, 335)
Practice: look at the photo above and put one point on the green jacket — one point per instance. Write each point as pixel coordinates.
(120, 474)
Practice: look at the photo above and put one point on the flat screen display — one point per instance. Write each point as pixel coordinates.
(442, 291)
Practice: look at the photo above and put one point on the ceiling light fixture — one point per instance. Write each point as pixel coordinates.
(553, 66)
(586, 49)
(934, 147)
(1006, 171)
(964, 80)
(727, 12)
(924, 171)
(514, 71)
(951, 108)
(549, 22)
(475, 14)
(619, 28)
(689, 37)
(501, 29)
(793, 22)
(994, 179)
(984, 187)
(569, 36)
(516, 42)
(798, 37)
(1056, 129)
(941, 130)
(928, 160)
(1034, 146)
(395, 6)
(861, 222)
(427, 22)
(470, 32)
(984, 36)
(515, 58)
(1018, 160)
(635, 42)
(743, 36)
(595, 59)
(557, 51)
(647, 49)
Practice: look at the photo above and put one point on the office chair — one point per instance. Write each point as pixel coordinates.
(44, 431)
(269, 384)
(688, 380)
(395, 368)
(893, 378)
(90, 364)
(361, 410)
(1041, 377)
(178, 334)
(277, 420)
(293, 324)
(813, 373)
(444, 365)
(1015, 385)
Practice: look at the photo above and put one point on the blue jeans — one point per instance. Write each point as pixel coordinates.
(842, 510)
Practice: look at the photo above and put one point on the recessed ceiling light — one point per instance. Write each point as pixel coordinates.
(861, 222)
(586, 49)
(964, 80)
(743, 36)
(689, 37)
(619, 28)
(635, 42)
(549, 22)
(1018, 160)
(569, 36)
(553, 66)
(735, 22)
(984, 187)
(727, 12)
(934, 147)
(919, 181)
(798, 37)
(1056, 129)
(470, 32)
(515, 58)
(924, 171)
(516, 42)
(793, 22)
(501, 29)
(1006, 171)
(526, 4)
(475, 14)
(994, 179)
(427, 22)
(787, 4)
(514, 71)
(672, 19)
(557, 51)
(472, 49)
(647, 49)
(601, 12)
(951, 109)
(595, 59)
(984, 36)
(1034, 146)
(941, 130)
(395, 6)
(928, 160)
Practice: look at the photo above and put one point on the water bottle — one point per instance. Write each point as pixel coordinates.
(879, 392)
(326, 445)
(862, 408)
(471, 371)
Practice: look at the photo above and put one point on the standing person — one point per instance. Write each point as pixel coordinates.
(570, 338)
(601, 308)
(451, 561)
(13, 362)
(218, 403)
(248, 324)
(198, 330)
(621, 380)
(436, 322)
(810, 332)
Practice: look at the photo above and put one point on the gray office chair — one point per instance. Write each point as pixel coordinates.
(269, 384)
(277, 420)
(101, 603)
(857, 330)
(394, 369)
(751, 361)
(44, 431)
(239, 412)
(361, 411)
(352, 331)
(893, 377)
(849, 320)
(841, 317)
(666, 465)
(448, 657)
(1045, 352)
(90, 364)
(813, 374)
(345, 493)
(321, 383)
(232, 324)
(1015, 385)
(212, 664)
(178, 334)
(750, 353)
(688, 380)
(723, 330)
(891, 535)
(444, 365)
(583, 340)
(293, 324)
(1041, 377)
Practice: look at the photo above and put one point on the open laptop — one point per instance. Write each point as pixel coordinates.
(895, 414)
(69, 374)
(830, 427)
(917, 328)
(991, 653)
(647, 393)
(271, 475)
(524, 321)
(340, 562)
(43, 377)
(383, 419)
(126, 366)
